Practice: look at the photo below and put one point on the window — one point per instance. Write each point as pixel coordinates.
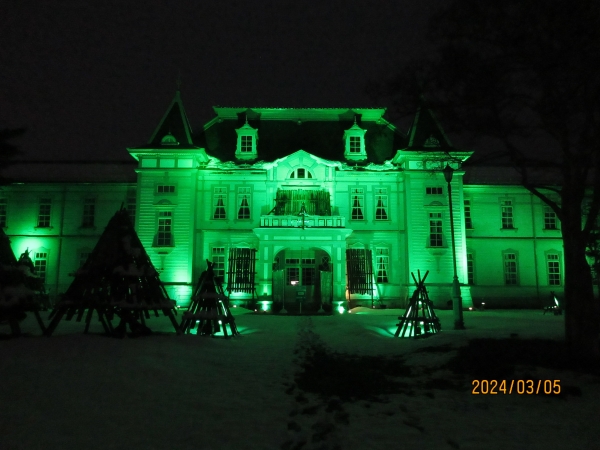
(44, 213)
(470, 269)
(219, 203)
(308, 276)
(301, 173)
(468, 220)
(247, 138)
(131, 208)
(357, 199)
(510, 269)
(507, 214)
(553, 264)
(550, 219)
(89, 212)
(355, 144)
(382, 261)
(293, 275)
(434, 190)
(218, 260)
(381, 204)
(2, 212)
(165, 189)
(244, 199)
(165, 229)
(246, 144)
(41, 265)
(435, 230)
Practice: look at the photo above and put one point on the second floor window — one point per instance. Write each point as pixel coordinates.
(435, 230)
(40, 264)
(507, 214)
(550, 219)
(244, 203)
(165, 229)
(89, 212)
(381, 204)
(219, 203)
(44, 213)
(357, 200)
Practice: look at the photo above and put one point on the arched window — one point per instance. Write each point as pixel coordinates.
(301, 173)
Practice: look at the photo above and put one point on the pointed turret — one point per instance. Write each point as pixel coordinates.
(426, 133)
(174, 129)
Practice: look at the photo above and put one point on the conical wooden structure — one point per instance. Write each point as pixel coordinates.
(419, 320)
(209, 309)
(20, 289)
(118, 279)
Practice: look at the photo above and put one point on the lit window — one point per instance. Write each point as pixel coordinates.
(468, 220)
(218, 260)
(293, 275)
(550, 219)
(246, 144)
(553, 264)
(165, 189)
(219, 203)
(89, 212)
(44, 212)
(507, 214)
(435, 230)
(41, 265)
(2, 212)
(381, 204)
(357, 199)
(382, 261)
(470, 269)
(510, 269)
(165, 229)
(244, 203)
(436, 190)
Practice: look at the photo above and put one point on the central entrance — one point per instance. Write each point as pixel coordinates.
(302, 280)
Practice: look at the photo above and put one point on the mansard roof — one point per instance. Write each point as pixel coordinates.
(319, 131)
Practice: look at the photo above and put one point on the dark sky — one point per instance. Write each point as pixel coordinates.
(90, 78)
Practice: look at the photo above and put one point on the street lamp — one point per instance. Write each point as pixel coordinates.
(459, 323)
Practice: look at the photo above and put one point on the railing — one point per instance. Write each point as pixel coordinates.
(272, 221)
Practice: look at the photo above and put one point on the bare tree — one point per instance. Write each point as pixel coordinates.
(524, 73)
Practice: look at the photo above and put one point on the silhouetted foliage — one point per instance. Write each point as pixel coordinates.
(8, 150)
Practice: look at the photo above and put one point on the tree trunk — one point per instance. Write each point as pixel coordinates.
(582, 311)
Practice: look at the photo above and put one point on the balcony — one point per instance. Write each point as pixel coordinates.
(290, 221)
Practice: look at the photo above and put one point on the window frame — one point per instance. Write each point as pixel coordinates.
(381, 212)
(507, 214)
(44, 219)
(219, 193)
(510, 261)
(436, 230)
(164, 229)
(357, 194)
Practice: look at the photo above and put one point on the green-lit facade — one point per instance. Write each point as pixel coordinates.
(298, 188)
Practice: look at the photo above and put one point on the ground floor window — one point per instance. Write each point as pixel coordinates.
(218, 260)
(382, 260)
(553, 265)
(510, 269)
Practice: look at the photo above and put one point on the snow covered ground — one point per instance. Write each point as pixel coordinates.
(361, 389)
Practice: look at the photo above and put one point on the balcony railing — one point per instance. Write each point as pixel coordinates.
(272, 221)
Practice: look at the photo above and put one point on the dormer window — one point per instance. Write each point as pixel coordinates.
(354, 139)
(246, 142)
(169, 139)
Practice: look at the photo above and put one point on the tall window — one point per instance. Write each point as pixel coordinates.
(243, 200)
(553, 265)
(165, 229)
(550, 219)
(219, 203)
(381, 204)
(40, 264)
(165, 189)
(44, 212)
(510, 269)
(507, 214)
(354, 144)
(470, 269)
(435, 230)
(218, 260)
(357, 200)
(89, 212)
(468, 220)
(382, 261)
(2, 212)
(246, 144)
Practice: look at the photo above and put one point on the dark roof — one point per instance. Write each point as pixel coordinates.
(70, 172)
(508, 175)
(317, 131)
(426, 132)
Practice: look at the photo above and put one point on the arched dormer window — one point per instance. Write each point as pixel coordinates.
(301, 173)
(354, 139)
(169, 139)
(246, 142)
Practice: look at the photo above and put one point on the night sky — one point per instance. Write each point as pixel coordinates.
(90, 78)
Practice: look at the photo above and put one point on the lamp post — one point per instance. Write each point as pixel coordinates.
(456, 298)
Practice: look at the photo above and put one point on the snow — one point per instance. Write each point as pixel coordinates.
(75, 391)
